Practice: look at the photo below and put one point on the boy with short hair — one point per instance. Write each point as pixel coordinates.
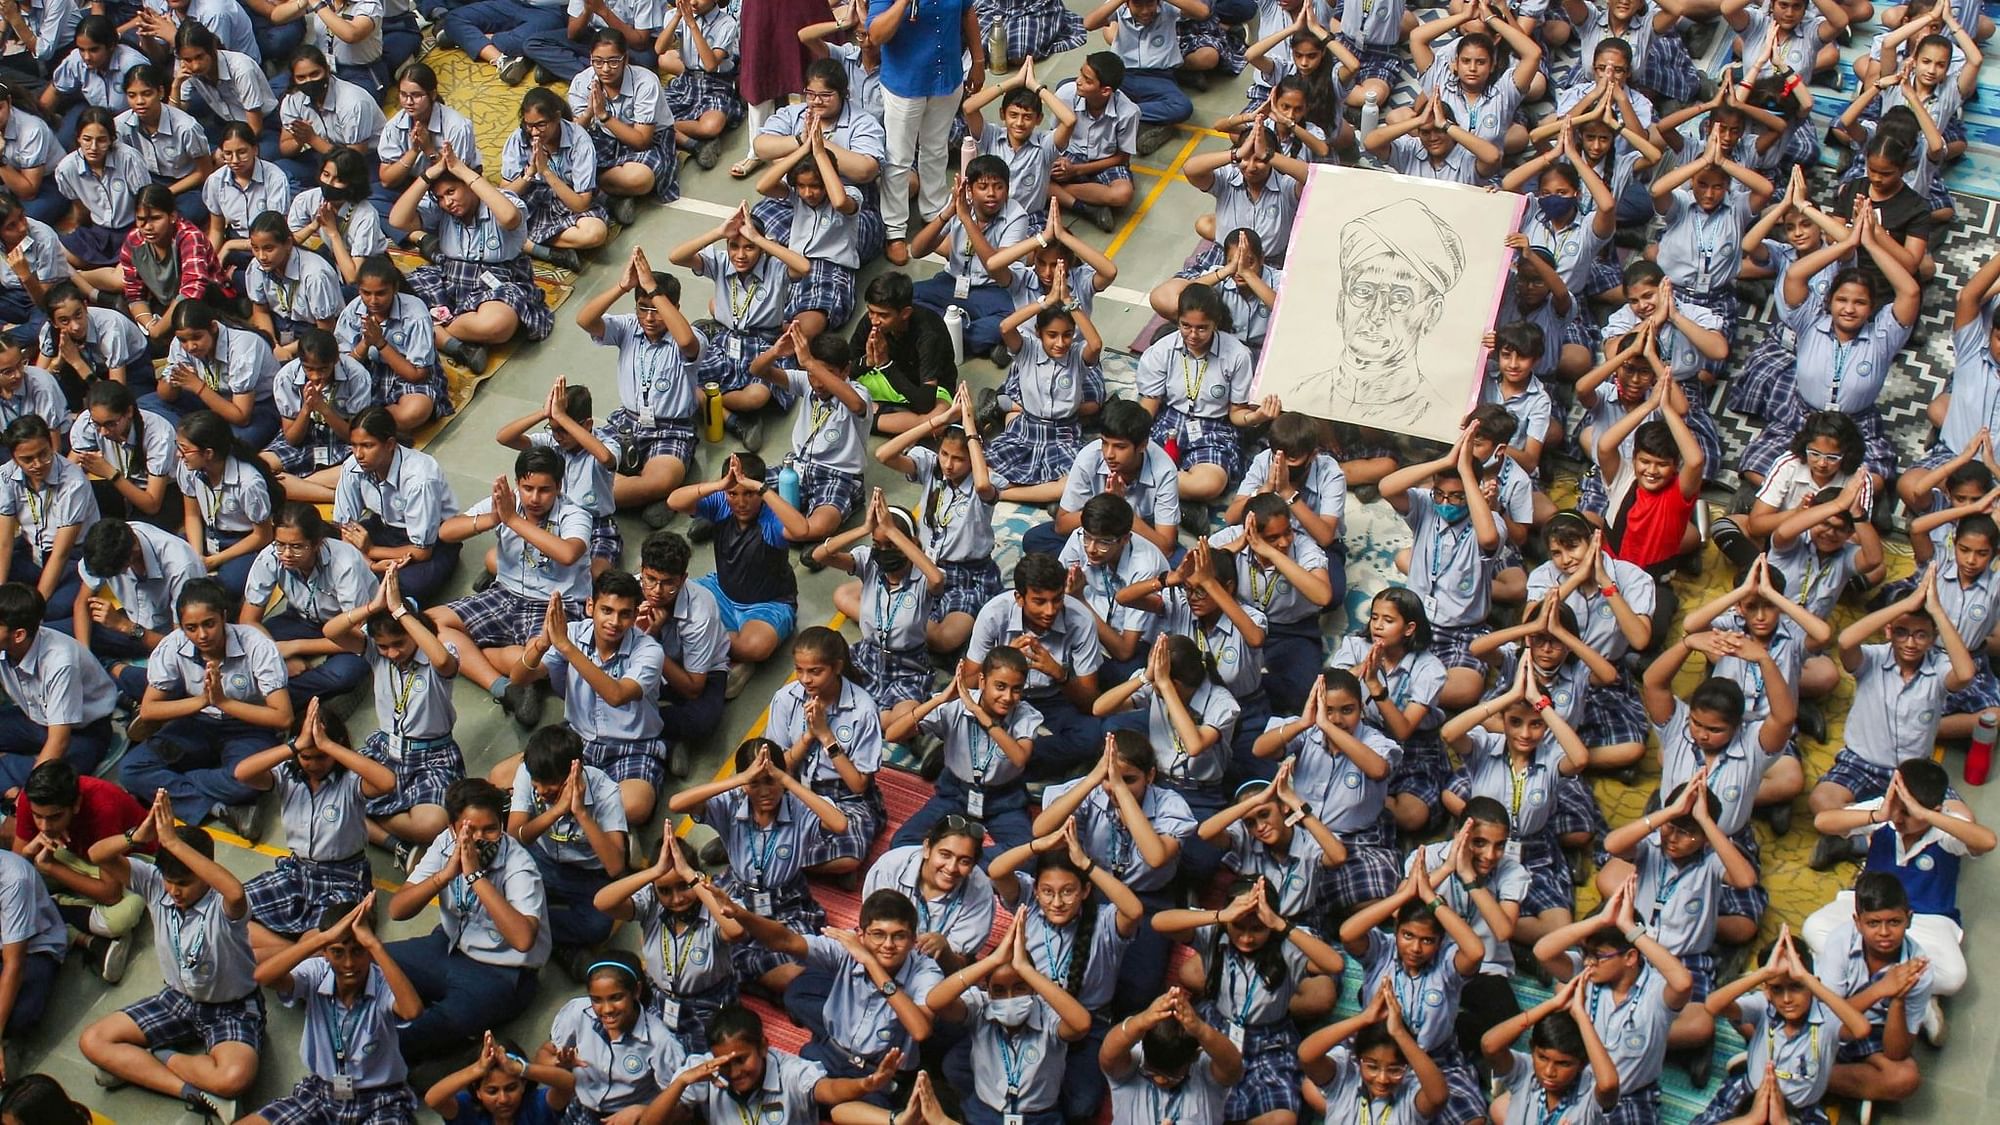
(64, 696)
(1517, 357)
(542, 539)
(1453, 559)
(1124, 461)
(1286, 577)
(569, 816)
(1870, 958)
(830, 432)
(1920, 833)
(1057, 632)
(687, 621)
(753, 584)
(1145, 35)
(983, 218)
(1652, 506)
(1018, 140)
(132, 576)
(59, 817)
(201, 920)
(590, 463)
(657, 355)
(1102, 557)
(1094, 175)
(356, 997)
(1310, 482)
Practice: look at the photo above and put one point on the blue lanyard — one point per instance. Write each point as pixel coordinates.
(760, 861)
(1235, 968)
(197, 944)
(1544, 1113)
(1058, 970)
(1664, 890)
(340, 1030)
(1013, 1060)
(981, 763)
(947, 908)
(1841, 354)
(1414, 1011)
(1162, 1115)
(889, 606)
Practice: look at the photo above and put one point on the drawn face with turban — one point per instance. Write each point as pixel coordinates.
(1396, 265)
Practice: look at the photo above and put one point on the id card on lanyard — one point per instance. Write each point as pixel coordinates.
(341, 1032)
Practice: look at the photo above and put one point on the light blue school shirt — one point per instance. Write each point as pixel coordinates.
(1893, 720)
(638, 100)
(408, 327)
(324, 824)
(573, 159)
(586, 482)
(1528, 795)
(204, 954)
(1153, 45)
(1788, 649)
(57, 682)
(895, 618)
(749, 301)
(171, 148)
(1373, 23)
(1679, 352)
(1576, 247)
(972, 755)
(1293, 878)
(1136, 561)
(1847, 377)
(693, 636)
(1817, 580)
(1805, 1060)
(46, 261)
(1733, 774)
(111, 198)
(564, 842)
(103, 88)
(1155, 496)
(39, 394)
(638, 659)
(1265, 588)
(686, 958)
(239, 203)
(1210, 706)
(306, 288)
(28, 916)
(1527, 1100)
(148, 599)
(1678, 902)
(768, 859)
(1106, 839)
(1703, 250)
(524, 570)
(1324, 488)
(478, 237)
(1429, 998)
(239, 88)
(1101, 134)
(30, 142)
(251, 668)
(1028, 166)
(359, 1042)
(859, 1020)
(412, 496)
(1409, 157)
(1509, 882)
(1486, 115)
(1015, 1069)
(1247, 311)
(826, 434)
(242, 362)
(954, 523)
(1270, 213)
(234, 506)
(853, 718)
(655, 380)
(784, 1098)
(1416, 676)
(1532, 409)
(360, 223)
(964, 918)
(1635, 1031)
(617, 1073)
(1449, 569)
(1975, 384)
(1200, 387)
(1071, 640)
(1345, 799)
(1238, 666)
(1843, 964)
(1596, 621)
(346, 116)
(854, 129)
(446, 126)
(412, 702)
(1005, 229)
(1346, 1099)
(351, 392)
(1054, 948)
(463, 917)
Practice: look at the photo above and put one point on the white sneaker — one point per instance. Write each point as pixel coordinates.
(739, 678)
(1934, 1026)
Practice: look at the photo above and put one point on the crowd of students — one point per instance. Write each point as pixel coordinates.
(1171, 815)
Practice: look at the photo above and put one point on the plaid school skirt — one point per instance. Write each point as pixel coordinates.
(459, 286)
(1452, 645)
(1209, 32)
(1203, 262)
(1612, 714)
(548, 217)
(1464, 1101)
(1857, 775)
(497, 617)
(792, 905)
(865, 814)
(621, 759)
(321, 450)
(1764, 450)
(660, 157)
(390, 386)
(311, 1102)
(1271, 1074)
(968, 586)
(288, 898)
(697, 1008)
(1722, 302)
(1751, 903)
(828, 289)
(1640, 1107)
(1979, 695)
(1199, 441)
(894, 677)
(1034, 450)
(695, 92)
(427, 769)
(1376, 62)
(1767, 382)
(606, 541)
(1371, 872)
(1037, 28)
(666, 437)
(1576, 810)
(1423, 771)
(171, 1017)
(1667, 70)
(1550, 885)
(1736, 1096)
(822, 487)
(717, 366)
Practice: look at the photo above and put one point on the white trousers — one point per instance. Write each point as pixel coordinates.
(919, 133)
(1939, 935)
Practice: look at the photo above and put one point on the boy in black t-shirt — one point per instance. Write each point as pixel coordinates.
(753, 583)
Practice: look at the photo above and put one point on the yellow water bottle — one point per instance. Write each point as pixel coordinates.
(712, 412)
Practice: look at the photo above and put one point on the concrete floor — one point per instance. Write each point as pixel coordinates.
(1156, 236)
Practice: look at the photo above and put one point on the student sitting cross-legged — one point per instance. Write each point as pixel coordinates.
(570, 818)
(201, 922)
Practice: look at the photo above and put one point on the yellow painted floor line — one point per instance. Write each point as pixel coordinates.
(1146, 170)
(1152, 197)
(1203, 131)
(756, 729)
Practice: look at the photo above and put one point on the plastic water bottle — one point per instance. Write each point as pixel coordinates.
(1979, 755)
(954, 325)
(968, 151)
(1371, 115)
(788, 482)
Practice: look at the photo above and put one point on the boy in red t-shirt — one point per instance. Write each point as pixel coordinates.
(1653, 499)
(58, 817)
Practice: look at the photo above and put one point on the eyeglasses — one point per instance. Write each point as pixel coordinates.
(1065, 895)
(889, 937)
(1394, 1072)
(284, 548)
(613, 60)
(1912, 635)
(1100, 541)
(1823, 457)
(1599, 956)
(821, 95)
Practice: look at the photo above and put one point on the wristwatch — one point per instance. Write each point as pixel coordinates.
(889, 987)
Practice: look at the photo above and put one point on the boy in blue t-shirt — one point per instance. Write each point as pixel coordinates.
(754, 587)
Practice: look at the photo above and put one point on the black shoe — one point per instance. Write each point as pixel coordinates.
(700, 531)
(1697, 1064)
(809, 564)
(1101, 216)
(524, 702)
(1196, 80)
(1812, 720)
(746, 429)
(988, 415)
(240, 819)
(514, 70)
(198, 1104)
(472, 357)
(563, 258)
(1151, 137)
(543, 75)
(484, 582)
(1827, 851)
(708, 153)
(623, 210)
(1780, 817)
(573, 960)
(443, 39)
(1001, 357)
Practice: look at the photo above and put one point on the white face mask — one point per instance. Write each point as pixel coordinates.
(1012, 1011)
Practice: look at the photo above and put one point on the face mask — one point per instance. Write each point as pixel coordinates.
(488, 851)
(890, 560)
(1452, 513)
(315, 90)
(1556, 208)
(1011, 1010)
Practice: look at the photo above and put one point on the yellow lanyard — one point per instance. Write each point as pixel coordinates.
(1520, 779)
(403, 695)
(1263, 598)
(736, 309)
(1362, 1105)
(674, 964)
(1192, 377)
(1771, 1053)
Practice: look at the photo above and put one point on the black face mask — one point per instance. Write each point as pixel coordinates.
(891, 560)
(335, 194)
(487, 850)
(315, 90)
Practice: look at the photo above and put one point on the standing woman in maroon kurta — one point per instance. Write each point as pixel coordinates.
(773, 62)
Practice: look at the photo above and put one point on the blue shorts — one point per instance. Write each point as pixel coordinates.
(781, 616)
